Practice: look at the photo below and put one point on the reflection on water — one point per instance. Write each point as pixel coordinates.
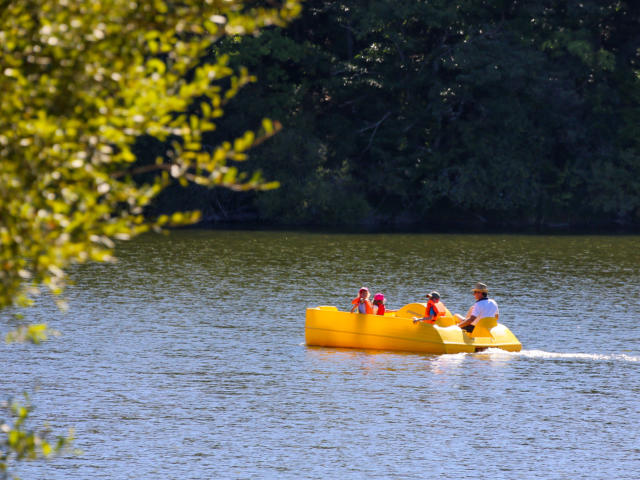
(187, 360)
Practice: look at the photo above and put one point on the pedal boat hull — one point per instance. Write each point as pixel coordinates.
(326, 326)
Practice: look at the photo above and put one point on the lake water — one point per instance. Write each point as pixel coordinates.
(186, 360)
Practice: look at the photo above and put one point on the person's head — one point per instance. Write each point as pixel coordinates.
(480, 291)
(378, 299)
(435, 296)
(364, 292)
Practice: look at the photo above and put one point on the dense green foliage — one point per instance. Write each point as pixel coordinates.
(82, 83)
(468, 112)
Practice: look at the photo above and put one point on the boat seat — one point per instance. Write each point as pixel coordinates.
(412, 310)
(447, 320)
(484, 326)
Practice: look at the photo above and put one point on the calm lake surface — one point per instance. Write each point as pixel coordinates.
(186, 360)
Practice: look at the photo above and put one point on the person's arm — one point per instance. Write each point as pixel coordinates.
(418, 319)
(467, 321)
(469, 318)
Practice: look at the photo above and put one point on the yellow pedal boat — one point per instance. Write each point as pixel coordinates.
(328, 327)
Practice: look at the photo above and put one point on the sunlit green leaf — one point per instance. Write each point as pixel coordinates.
(68, 167)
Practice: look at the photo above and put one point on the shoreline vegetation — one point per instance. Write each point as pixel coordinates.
(459, 227)
(219, 216)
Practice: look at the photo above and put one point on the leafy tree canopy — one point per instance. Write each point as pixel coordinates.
(500, 113)
(81, 81)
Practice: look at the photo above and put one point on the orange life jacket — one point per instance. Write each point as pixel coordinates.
(367, 305)
(438, 307)
(381, 309)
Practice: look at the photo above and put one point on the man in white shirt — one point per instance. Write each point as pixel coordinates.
(484, 307)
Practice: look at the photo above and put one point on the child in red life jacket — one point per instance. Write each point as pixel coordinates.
(378, 304)
(361, 302)
(435, 308)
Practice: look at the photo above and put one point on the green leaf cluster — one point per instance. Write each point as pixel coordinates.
(18, 442)
(81, 82)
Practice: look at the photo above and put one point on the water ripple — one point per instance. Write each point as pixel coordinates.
(186, 359)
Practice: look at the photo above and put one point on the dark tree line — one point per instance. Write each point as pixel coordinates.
(438, 113)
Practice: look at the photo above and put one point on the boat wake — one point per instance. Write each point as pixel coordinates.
(619, 357)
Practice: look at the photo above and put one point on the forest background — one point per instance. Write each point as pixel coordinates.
(437, 114)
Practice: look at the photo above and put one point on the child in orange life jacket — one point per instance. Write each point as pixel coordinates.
(378, 304)
(361, 302)
(435, 308)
